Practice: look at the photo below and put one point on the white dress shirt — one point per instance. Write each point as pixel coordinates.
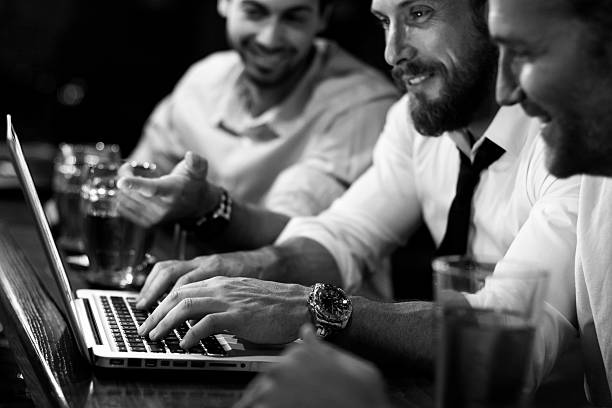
(520, 212)
(295, 158)
(594, 285)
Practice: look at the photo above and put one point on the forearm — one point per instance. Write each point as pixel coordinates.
(392, 334)
(250, 227)
(299, 260)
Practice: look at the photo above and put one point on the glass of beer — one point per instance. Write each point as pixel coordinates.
(70, 171)
(116, 247)
(487, 314)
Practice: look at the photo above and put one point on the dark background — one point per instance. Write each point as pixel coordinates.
(81, 70)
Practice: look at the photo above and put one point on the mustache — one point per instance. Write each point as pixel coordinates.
(414, 68)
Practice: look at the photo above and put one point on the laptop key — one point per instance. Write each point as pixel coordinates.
(213, 347)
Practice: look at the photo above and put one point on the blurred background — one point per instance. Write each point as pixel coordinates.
(81, 71)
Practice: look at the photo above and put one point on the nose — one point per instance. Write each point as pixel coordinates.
(397, 45)
(270, 35)
(508, 88)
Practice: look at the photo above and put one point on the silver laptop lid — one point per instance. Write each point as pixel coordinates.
(42, 226)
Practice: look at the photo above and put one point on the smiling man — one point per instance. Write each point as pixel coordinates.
(556, 61)
(284, 121)
(447, 124)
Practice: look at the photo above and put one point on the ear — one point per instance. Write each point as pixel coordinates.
(222, 7)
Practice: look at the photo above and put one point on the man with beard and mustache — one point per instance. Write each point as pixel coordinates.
(441, 53)
(283, 123)
(556, 61)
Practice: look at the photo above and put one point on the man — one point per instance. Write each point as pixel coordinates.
(286, 121)
(442, 54)
(556, 61)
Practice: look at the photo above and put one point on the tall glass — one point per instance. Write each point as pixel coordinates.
(70, 171)
(116, 247)
(487, 315)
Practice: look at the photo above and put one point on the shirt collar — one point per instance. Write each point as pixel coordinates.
(232, 115)
(509, 129)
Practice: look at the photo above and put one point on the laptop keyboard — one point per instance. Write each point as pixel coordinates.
(124, 320)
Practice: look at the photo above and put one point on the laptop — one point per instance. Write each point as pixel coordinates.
(105, 322)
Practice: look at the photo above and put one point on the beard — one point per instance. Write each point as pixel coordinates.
(579, 145)
(579, 137)
(462, 92)
(290, 66)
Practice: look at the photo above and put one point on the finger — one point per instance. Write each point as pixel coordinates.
(142, 302)
(213, 323)
(198, 274)
(160, 312)
(148, 187)
(197, 166)
(167, 273)
(152, 208)
(126, 170)
(187, 308)
(134, 211)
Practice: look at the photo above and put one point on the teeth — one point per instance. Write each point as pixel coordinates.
(417, 80)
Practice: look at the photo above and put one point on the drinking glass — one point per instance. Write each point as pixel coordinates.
(116, 247)
(487, 314)
(70, 171)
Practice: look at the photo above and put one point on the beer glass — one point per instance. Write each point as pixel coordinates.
(70, 171)
(116, 247)
(487, 315)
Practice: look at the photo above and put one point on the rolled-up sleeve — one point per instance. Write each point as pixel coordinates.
(378, 212)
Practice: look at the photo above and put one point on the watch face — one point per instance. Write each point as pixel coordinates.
(335, 306)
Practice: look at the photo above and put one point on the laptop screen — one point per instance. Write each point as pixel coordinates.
(42, 226)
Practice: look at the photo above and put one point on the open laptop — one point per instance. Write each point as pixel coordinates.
(104, 322)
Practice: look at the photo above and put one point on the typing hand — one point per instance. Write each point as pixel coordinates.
(258, 311)
(170, 275)
(183, 193)
(315, 374)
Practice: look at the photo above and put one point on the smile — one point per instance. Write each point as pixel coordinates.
(416, 80)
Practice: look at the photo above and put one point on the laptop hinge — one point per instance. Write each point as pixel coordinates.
(85, 314)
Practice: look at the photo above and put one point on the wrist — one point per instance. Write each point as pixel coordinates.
(209, 202)
(298, 308)
(330, 309)
(214, 219)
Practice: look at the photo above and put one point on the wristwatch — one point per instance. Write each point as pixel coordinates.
(330, 309)
(214, 221)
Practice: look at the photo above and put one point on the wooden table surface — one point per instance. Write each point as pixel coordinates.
(67, 380)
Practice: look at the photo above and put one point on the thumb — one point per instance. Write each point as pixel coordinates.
(145, 186)
(194, 165)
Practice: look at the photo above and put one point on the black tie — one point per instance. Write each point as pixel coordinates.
(458, 224)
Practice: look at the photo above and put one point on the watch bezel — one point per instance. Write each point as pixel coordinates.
(319, 303)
